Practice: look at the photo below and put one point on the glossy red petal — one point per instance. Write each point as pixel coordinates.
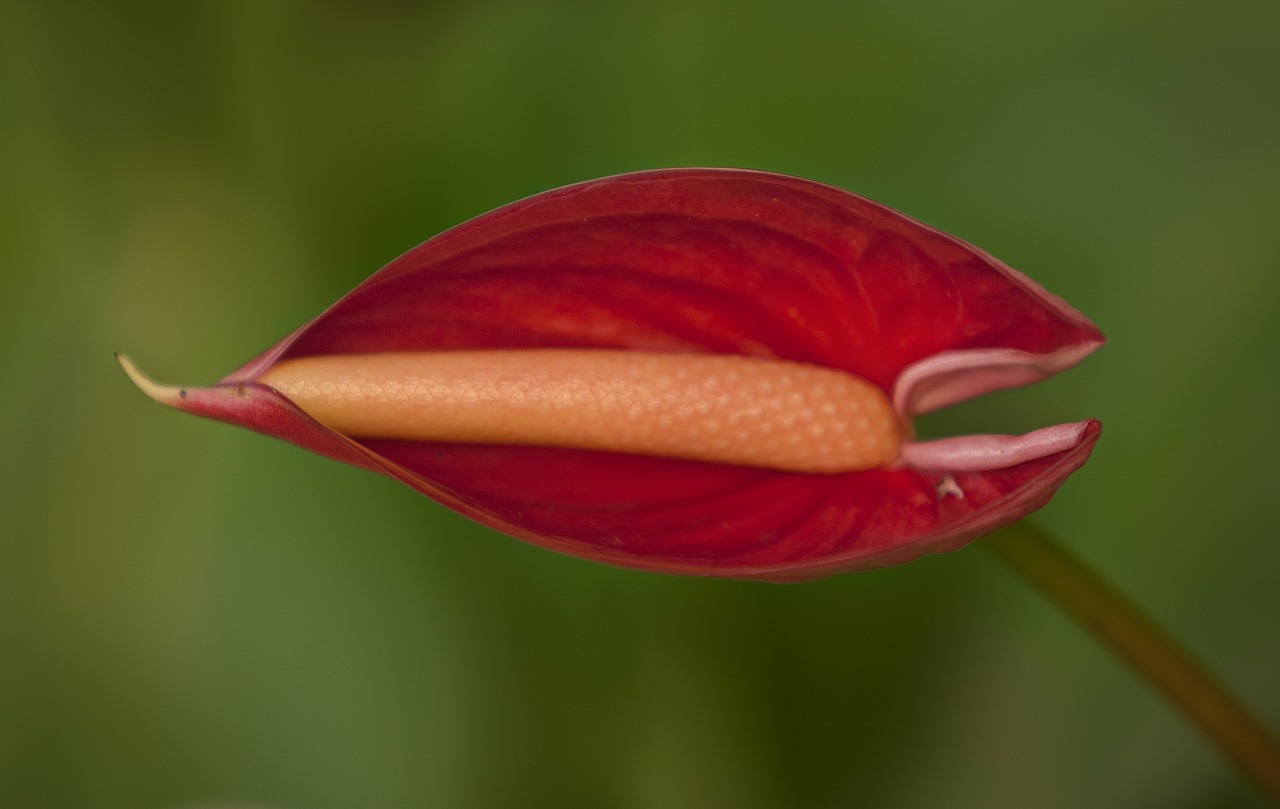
(688, 517)
(719, 260)
(700, 260)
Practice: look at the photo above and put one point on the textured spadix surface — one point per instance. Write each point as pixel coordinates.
(706, 261)
(723, 408)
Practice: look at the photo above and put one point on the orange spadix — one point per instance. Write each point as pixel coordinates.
(711, 407)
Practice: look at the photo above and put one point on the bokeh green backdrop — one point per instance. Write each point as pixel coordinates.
(192, 614)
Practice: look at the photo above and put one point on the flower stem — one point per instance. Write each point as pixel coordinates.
(1133, 636)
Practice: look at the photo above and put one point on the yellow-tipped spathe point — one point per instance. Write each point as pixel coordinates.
(164, 394)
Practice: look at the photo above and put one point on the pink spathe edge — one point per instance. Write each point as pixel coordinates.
(981, 453)
(950, 377)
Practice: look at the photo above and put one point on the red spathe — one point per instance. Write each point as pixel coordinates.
(709, 260)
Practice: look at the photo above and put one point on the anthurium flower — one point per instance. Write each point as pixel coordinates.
(704, 371)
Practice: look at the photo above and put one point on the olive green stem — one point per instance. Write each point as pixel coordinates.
(1136, 638)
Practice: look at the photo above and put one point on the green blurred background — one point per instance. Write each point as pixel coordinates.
(192, 614)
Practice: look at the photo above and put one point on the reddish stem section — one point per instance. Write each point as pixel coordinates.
(1137, 639)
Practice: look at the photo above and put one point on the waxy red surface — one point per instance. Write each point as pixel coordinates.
(708, 260)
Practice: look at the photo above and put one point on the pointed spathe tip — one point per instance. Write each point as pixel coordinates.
(164, 394)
